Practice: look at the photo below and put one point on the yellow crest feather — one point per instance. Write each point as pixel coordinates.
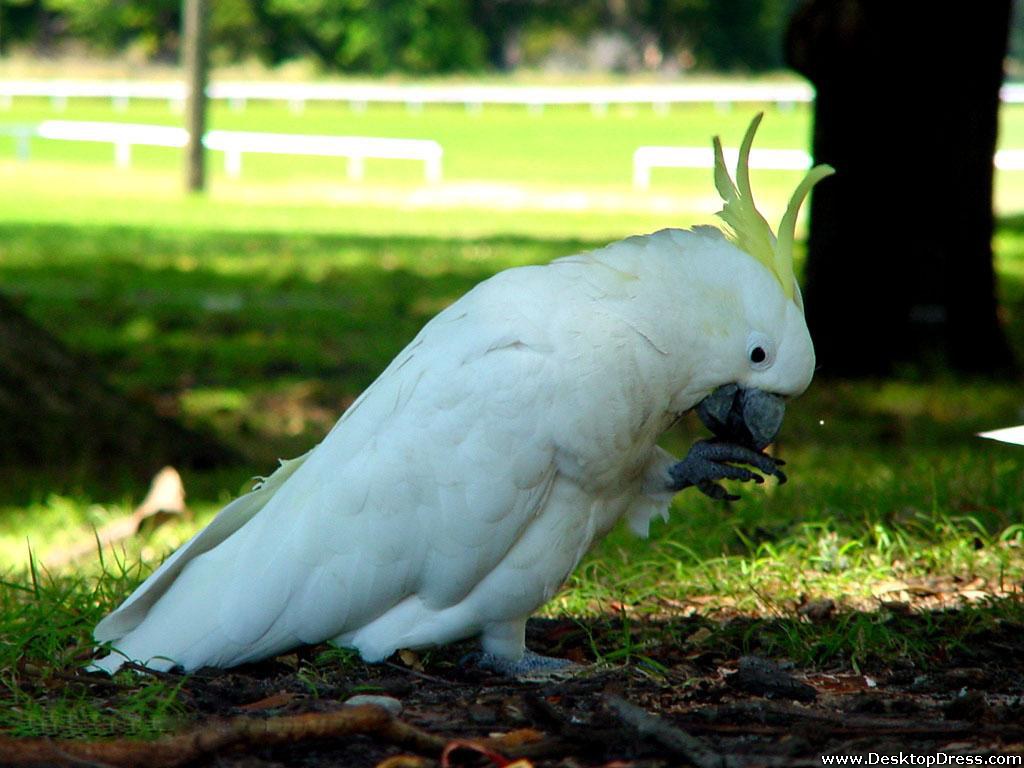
(748, 229)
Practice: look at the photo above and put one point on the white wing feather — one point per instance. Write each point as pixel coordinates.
(414, 492)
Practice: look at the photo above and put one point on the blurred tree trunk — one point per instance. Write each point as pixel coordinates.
(57, 412)
(196, 63)
(899, 267)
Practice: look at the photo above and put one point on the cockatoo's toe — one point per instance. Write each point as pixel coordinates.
(710, 461)
(530, 667)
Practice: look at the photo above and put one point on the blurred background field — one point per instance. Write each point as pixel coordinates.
(558, 172)
(529, 171)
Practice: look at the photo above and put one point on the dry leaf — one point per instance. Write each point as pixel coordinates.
(411, 659)
(406, 761)
(279, 699)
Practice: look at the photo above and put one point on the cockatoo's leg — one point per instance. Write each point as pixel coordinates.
(505, 652)
(708, 461)
(504, 638)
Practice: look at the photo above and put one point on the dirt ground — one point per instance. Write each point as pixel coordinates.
(675, 705)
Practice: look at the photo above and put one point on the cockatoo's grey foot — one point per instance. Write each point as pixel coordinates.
(709, 461)
(530, 667)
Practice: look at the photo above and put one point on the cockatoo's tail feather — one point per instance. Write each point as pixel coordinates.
(749, 230)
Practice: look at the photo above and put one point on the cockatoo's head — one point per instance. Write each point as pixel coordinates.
(769, 355)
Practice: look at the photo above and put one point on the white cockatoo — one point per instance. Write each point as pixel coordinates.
(455, 496)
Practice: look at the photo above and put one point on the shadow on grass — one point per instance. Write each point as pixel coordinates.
(894, 638)
(262, 338)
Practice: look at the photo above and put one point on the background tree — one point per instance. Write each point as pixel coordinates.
(151, 27)
(350, 35)
(899, 266)
(737, 35)
(416, 36)
(195, 63)
(419, 36)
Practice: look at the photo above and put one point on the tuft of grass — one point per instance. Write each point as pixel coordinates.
(144, 710)
(46, 622)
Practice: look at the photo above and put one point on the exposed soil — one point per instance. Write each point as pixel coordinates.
(675, 705)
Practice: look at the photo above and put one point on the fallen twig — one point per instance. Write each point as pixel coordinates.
(134, 666)
(184, 748)
(181, 749)
(763, 677)
(842, 723)
(677, 741)
(689, 747)
(420, 675)
(583, 738)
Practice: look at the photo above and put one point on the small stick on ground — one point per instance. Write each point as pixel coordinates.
(134, 666)
(781, 715)
(763, 677)
(689, 747)
(679, 742)
(420, 675)
(184, 748)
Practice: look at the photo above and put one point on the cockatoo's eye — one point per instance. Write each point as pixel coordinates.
(760, 351)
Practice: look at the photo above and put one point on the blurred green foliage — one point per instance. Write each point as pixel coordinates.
(355, 35)
(420, 36)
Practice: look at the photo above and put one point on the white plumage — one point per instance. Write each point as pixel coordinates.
(457, 493)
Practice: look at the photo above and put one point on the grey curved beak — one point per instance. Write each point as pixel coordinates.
(750, 417)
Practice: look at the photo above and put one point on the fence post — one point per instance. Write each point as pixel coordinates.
(123, 153)
(355, 167)
(233, 162)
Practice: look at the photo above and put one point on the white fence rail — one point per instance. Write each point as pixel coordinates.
(121, 92)
(122, 135)
(236, 143)
(360, 94)
(356, 148)
(646, 158)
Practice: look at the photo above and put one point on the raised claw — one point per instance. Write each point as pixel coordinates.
(709, 461)
(716, 491)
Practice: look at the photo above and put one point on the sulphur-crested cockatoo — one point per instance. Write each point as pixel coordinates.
(459, 491)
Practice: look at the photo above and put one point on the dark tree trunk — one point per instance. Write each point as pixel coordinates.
(195, 58)
(58, 413)
(899, 267)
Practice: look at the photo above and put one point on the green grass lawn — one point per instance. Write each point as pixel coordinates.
(262, 311)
